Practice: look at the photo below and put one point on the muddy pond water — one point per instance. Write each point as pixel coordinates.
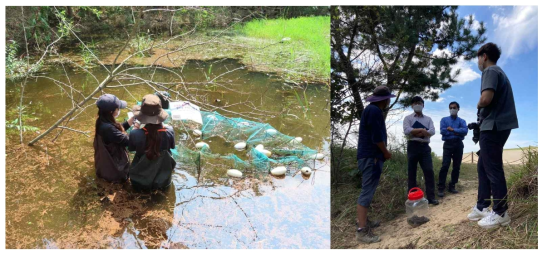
(54, 200)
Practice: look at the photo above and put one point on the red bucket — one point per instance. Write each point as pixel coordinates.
(415, 194)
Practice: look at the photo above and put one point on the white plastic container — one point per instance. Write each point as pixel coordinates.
(240, 146)
(201, 145)
(267, 153)
(318, 156)
(271, 131)
(234, 173)
(305, 171)
(278, 171)
(196, 132)
(296, 140)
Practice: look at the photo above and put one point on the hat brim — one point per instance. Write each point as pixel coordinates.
(145, 119)
(374, 98)
(123, 104)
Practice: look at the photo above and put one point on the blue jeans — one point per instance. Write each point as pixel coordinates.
(490, 168)
(452, 150)
(371, 169)
(418, 152)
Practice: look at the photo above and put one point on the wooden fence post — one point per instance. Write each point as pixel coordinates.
(472, 157)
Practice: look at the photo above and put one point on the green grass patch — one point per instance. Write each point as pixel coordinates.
(307, 49)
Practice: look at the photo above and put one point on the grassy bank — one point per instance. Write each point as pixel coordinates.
(258, 44)
(389, 199)
(388, 203)
(304, 41)
(522, 233)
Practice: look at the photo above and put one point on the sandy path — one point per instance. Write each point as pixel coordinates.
(452, 209)
(510, 157)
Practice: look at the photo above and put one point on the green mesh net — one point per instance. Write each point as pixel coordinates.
(265, 148)
(283, 150)
(253, 133)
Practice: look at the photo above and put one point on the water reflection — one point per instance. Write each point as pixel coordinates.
(202, 209)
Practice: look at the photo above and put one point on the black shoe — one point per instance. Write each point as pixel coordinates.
(433, 201)
(441, 193)
(452, 189)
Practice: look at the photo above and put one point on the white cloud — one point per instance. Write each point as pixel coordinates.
(475, 25)
(394, 124)
(466, 71)
(516, 32)
(469, 115)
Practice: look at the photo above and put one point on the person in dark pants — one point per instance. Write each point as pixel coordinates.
(371, 154)
(453, 129)
(497, 110)
(419, 128)
(111, 156)
(152, 166)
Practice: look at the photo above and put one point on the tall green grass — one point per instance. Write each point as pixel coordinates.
(309, 39)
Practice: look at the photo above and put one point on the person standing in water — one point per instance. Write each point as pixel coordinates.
(153, 164)
(371, 154)
(111, 157)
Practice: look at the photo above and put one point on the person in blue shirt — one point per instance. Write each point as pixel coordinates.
(453, 131)
(371, 154)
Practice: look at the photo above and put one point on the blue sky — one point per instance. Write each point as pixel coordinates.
(514, 29)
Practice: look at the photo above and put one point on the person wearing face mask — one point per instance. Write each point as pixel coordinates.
(111, 156)
(371, 154)
(453, 131)
(419, 128)
(497, 108)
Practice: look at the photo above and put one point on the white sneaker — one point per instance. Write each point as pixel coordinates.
(493, 220)
(476, 215)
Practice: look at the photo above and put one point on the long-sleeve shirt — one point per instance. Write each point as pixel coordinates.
(413, 120)
(459, 126)
(372, 130)
(111, 134)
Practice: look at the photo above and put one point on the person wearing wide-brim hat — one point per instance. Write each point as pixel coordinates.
(111, 156)
(371, 154)
(153, 164)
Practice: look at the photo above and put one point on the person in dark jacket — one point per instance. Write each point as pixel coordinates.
(371, 154)
(111, 158)
(153, 164)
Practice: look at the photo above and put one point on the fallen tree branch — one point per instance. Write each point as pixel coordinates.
(56, 124)
(74, 130)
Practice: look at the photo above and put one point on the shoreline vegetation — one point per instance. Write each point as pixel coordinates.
(297, 48)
